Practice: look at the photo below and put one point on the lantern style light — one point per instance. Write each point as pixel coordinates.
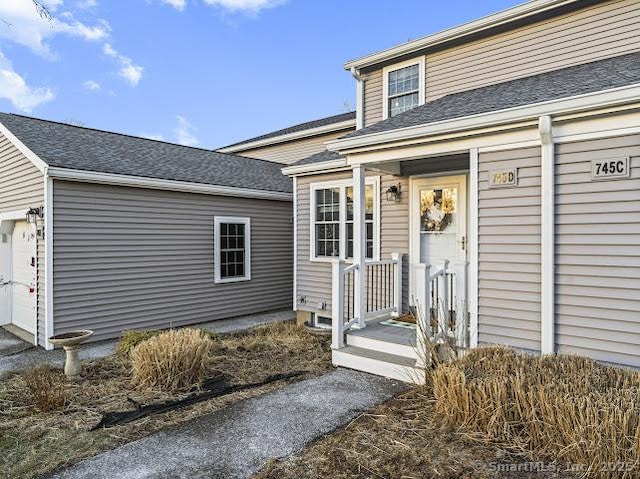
(394, 192)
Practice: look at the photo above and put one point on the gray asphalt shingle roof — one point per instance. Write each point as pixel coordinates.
(73, 147)
(300, 127)
(576, 80)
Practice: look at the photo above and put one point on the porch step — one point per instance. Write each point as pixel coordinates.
(379, 363)
(404, 348)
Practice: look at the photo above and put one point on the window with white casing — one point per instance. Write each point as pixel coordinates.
(332, 226)
(232, 249)
(403, 87)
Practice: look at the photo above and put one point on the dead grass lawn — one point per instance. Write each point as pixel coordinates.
(34, 443)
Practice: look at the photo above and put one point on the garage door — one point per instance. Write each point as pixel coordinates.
(23, 311)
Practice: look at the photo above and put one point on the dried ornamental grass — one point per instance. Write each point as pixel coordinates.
(45, 388)
(567, 407)
(171, 361)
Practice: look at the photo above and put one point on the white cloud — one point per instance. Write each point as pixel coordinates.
(152, 136)
(25, 26)
(177, 4)
(185, 132)
(15, 89)
(250, 6)
(129, 71)
(91, 85)
(87, 4)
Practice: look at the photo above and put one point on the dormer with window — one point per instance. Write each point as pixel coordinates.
(403, 87)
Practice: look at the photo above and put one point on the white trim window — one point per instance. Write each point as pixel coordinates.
(403, 87)
(232, 249)
(332, 219)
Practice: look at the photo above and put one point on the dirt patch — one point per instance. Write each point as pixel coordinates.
(34, 443)
(401, 439)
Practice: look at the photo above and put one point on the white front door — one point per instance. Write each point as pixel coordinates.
(438, 220)
(23, 281)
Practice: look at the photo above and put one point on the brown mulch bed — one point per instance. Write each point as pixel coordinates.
(34, 443)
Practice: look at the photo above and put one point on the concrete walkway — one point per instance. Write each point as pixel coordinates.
(10, 360)
(237, 441)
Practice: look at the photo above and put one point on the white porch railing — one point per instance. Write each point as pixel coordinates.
(382, 294)
(440, 301)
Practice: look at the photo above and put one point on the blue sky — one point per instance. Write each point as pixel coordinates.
(202, 72)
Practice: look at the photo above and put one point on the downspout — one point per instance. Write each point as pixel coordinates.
(359, 97)
(547, 319)
(48, 260)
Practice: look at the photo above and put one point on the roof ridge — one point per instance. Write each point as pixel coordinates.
(273, 133)
(128, 135)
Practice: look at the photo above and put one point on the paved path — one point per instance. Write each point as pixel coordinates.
(10, 360)
(237, 441)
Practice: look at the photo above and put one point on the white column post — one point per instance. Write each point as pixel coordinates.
(443, 300)
(359, 243)
(422, 303)
(473, 248)
(397, 284)
(462, 332)
(337, 304)
(547, 324)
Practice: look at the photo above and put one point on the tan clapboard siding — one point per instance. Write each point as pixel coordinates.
(313, 277)
(292, 151)
(128, 258)
(373, 98)
(594, 33)
(21, 183)
(598, 253)
(604, 30)
(22, 187)
(509, 251)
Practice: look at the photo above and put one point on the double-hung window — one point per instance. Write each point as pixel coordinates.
(332, 221)
(232, 249)
(403, 87)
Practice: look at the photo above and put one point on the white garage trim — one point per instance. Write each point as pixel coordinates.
(48, 260)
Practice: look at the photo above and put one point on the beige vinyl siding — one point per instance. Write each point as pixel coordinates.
(21, 183)
(313, 277)
(22, 187)
(509, 251)
(600, 31)
(133, 258)
(598, 253)
(292, 151)
(373, 97)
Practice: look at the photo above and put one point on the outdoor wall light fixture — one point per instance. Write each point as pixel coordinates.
(33, 214)
(394, 192)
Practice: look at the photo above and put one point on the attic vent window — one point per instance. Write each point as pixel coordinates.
(404, 87)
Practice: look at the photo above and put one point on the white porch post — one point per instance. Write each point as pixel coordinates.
(359, 244)
(422, 303)
(397, 285)
(461, 304)
(337, 304)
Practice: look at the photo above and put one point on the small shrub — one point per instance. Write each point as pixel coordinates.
(172, 360)
(45, 388)
(130, 339)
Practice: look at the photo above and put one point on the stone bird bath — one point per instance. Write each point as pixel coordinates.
(71, 343)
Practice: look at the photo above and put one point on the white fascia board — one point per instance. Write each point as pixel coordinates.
(314, 167)
(31, 156)
(513, 14)
(320, 130)
(579, 103)
(160, 184)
